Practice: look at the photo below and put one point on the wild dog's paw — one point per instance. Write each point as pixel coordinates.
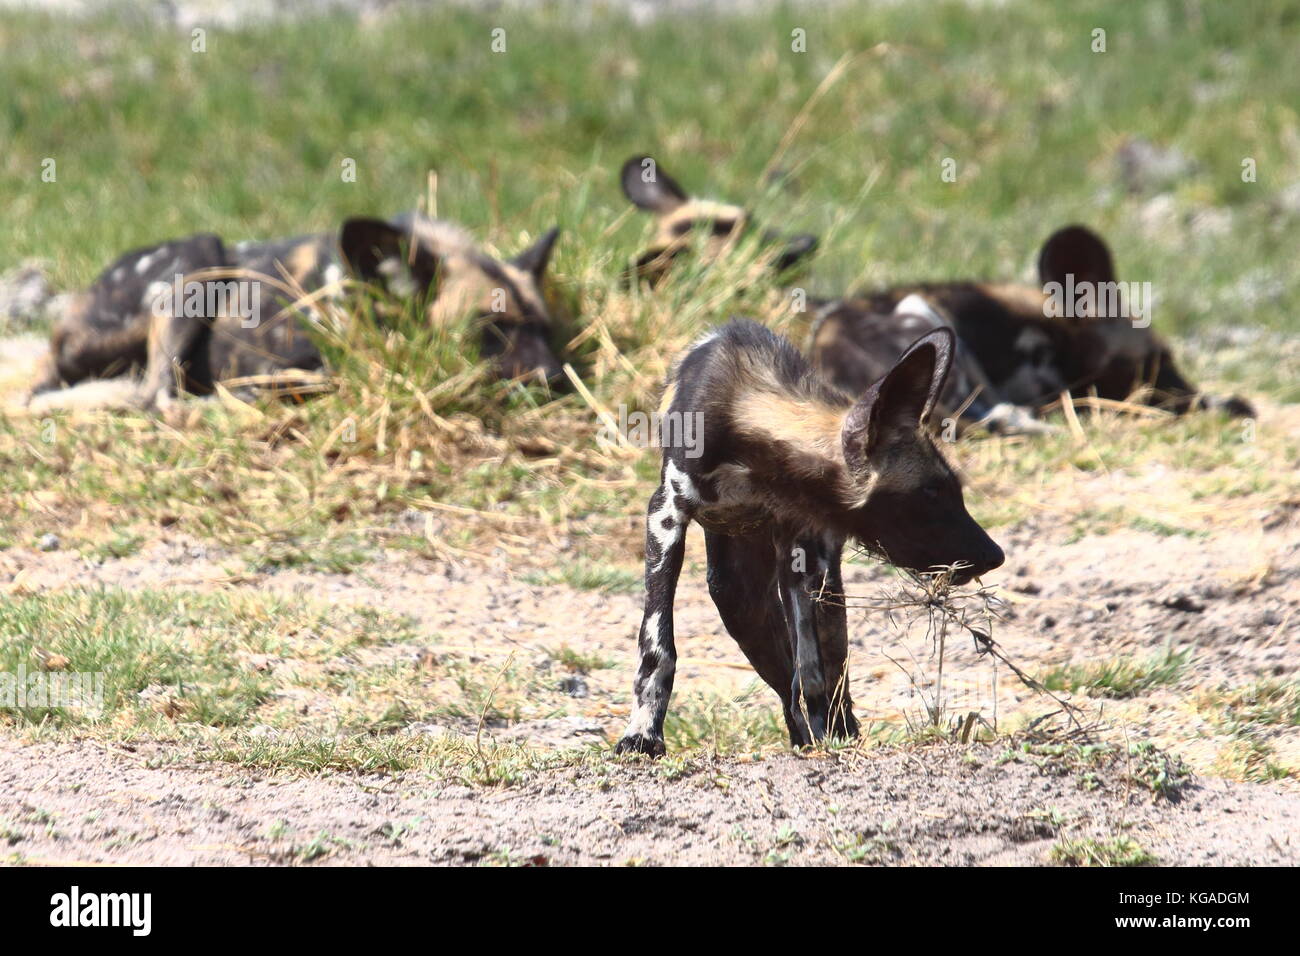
(1232, 406)
(843, 724)
(641, 744)
(1008, 419)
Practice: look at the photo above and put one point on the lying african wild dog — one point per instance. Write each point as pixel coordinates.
(1015, 354)
(680, 220)
(1012, 358)
(130, 319)
(790, 468)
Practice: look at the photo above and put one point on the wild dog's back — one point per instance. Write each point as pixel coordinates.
(768, 424)
(106, 331)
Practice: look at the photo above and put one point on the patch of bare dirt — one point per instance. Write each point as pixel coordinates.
(939, 806)
(1232, 599)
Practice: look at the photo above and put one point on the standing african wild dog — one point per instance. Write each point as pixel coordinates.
(790, 469)
(119, 324)
(680, 220)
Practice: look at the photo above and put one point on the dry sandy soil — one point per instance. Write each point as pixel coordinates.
(97, 802)
(939, 807)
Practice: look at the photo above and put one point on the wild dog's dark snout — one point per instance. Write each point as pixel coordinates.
(522, 352)
(984, 557)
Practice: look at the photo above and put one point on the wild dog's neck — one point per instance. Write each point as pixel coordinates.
(795, 456)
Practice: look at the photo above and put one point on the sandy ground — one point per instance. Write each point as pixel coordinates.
(942, 807)
(91, 802)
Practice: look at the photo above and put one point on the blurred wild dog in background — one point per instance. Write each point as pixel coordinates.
(193, 312)
(790, 468)
(683, 224)
(1019, 346)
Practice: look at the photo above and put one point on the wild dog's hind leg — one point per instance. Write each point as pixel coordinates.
(810, 694)
(670, 510)
(743, 585)
(831, 619)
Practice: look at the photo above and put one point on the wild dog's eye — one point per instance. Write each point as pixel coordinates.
(931, 491)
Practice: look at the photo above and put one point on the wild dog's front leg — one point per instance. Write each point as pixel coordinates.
(666, 519)
(173, 340)
(797, 578)
(831, 619)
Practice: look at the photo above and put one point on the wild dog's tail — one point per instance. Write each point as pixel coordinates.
(916, 304)
(93, 395)
(21, 397)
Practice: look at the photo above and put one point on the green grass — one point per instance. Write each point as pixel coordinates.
(725, 726)
(1266, 703)
(162, 659)
(1256, 717)
(122, 544)
(534, 136)
(445, 758)
(1122, 677)
(1013, 93)
(1118, 851)
(579, 662)
(589, 576)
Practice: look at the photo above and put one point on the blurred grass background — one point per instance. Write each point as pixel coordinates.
(247, 139)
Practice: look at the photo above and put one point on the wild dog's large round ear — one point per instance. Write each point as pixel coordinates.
(367, 242)
(911, 388)
(535, 257)
(1076, 251)
(902, 398)
(650, 188)
(388, 252)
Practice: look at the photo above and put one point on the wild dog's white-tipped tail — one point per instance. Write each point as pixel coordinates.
(100, 394)
(916, 304)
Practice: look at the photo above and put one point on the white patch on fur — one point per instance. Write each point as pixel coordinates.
(106, 393)
(333, 283)
(143, 265)
(665, 538)
(641, 723)
(642, 720)
(652, 628)
(156, 289)
(396, 277)
(916, 304)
